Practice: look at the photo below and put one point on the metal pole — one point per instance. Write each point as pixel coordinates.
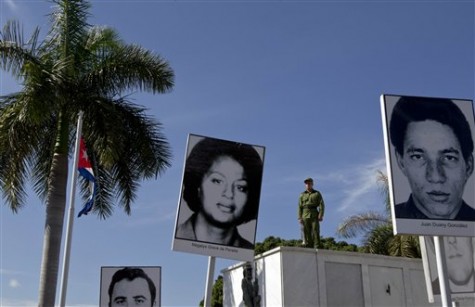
(445, 295)
(69, 228)
(209, 281)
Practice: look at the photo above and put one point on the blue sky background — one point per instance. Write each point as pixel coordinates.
(302, 78)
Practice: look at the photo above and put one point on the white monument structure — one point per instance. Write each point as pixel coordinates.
(293, 276)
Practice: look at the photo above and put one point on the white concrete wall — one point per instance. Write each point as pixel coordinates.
(269, 275)
(292, 276)
(297, 267)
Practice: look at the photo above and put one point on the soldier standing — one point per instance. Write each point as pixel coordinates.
(250, 289)
(310, 213)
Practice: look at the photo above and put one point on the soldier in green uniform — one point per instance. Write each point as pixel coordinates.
(310, 213)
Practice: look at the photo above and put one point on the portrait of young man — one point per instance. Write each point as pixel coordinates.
(460, 262)
(130, 286)
(429, 142)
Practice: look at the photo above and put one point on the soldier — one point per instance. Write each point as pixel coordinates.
(250, 288)
(310, 213)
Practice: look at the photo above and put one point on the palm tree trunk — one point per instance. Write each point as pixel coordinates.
(55, 208)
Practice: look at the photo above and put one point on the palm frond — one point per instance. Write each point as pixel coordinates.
(69, 26)
(13, 173)
(121, 130)
(30, 139)
(361, 224)
(382, 179)
(103, 204)
(378, 240)
(405, 246)
(101, 40)
(127, 68)
(127, 145)
(15, 149)
(77, 67)
(15, 52)
(126, 181)
(42, 162)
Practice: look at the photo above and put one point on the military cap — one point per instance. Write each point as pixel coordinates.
(308, 180)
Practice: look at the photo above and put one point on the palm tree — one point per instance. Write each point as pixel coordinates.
(377, 230)
(76, 67)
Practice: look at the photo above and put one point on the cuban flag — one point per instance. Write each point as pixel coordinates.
(85, 170)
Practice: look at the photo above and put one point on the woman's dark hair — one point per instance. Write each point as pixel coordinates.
(205, 153)
(416, 109)
(131, 273)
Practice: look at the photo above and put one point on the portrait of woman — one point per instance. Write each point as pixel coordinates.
(221, 186)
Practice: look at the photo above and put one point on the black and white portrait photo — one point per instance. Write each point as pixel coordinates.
(130, 286)
(219, 201)
(459, 260)
(429, 149)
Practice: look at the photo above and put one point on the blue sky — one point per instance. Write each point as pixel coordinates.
(302, 78)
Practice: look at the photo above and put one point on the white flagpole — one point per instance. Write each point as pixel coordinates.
(209, 281)
(445, 294)
(69, 227)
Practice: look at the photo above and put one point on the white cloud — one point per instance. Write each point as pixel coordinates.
(350, 189)
(357, 184)
(11, 4)
(13, 283)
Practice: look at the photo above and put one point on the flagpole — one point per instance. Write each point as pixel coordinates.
(69, 227)
(209, 281)
(445, 293)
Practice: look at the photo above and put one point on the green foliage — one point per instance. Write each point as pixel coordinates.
(331, 244)
(77, 67)
(405, 246)
(272, 242)
(379, 240)
(217, 294)
(377, 230)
